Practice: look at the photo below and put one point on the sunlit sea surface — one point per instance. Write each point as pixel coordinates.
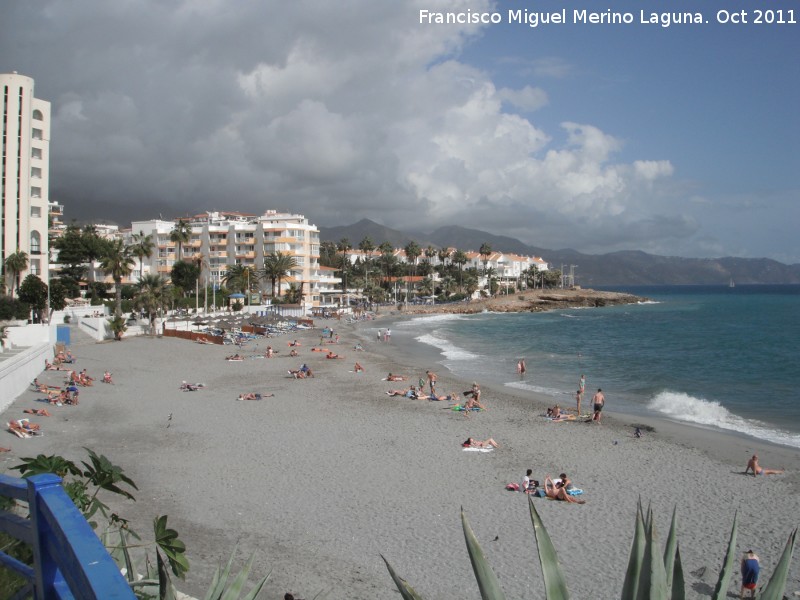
(708, 355)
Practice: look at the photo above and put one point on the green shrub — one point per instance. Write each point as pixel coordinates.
(13, 308)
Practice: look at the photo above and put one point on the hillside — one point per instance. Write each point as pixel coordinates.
(616, 268)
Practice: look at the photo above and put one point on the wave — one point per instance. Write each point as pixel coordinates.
(537, 389)
(425, 319)
(446, 346)
(683, 407)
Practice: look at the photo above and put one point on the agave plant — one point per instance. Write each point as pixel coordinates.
(651, 575)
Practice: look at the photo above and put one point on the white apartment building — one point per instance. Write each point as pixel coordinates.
(220, 239)
(24, 174)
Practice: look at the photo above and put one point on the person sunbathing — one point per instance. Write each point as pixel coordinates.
(293, 352)
(391, 377)
(48, 366)
(407, 393)
(23, 426)
(473, 443)
(558, 491)
(554, 412)
(315, 349)
(472, 404)
(191, 387)
(297, 373)
(254, 396)
(358, 368)
(358, 348)
(332, 355)
(758, 469)
(234, 357)
(107, 377)
(295, 343)
(41, 412)
(451, 397)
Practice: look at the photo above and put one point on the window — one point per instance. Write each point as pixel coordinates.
(36, 241)
(36, 153)
(36, 172)
(37, 115)
(36, 212)
(36, 192)
(37, 134)
(34, 268)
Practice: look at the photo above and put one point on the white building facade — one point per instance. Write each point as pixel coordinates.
(24, 174)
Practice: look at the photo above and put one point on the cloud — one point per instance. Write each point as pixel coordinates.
(341, 112)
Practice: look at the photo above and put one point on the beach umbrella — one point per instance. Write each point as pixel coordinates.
(237, 295)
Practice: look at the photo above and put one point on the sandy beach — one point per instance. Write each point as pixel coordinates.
(331, 473)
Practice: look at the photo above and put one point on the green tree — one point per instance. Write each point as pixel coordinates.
(276, 266)
(142, 247)
(94, 249)
(117, 263)
(16, 263)
(388, 259)
(58, 297)
(413, 252)
(459, 258)
(72, 258)
(184, 275)
(180, 234)
(33, 292)
(240, 278)
(485, 252)
(294, 295)
(152, 297)
(443, 254)
(367, 247)
(327, 254)
(344, 247)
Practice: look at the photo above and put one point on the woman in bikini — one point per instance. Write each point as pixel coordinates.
(558, 491)
(471, 443)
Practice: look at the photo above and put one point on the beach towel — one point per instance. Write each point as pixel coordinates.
(478, 449)
(512, 487)
(574, 491)
(460, 407)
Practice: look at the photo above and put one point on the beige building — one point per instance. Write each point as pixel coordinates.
(24, 174)
(221, 239)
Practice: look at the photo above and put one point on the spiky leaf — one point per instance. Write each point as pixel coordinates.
(678, 584)
(721, 590)
(631, 585)
(653, 579)
(165, 589)
(487, 580)
(669, 551)
(406, 591)
(555, 585)
(777, 583)
(167, 540)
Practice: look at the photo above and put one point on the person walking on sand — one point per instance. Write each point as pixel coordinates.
(598, 401)
(758, 469)
(750, 569)
(578, 398)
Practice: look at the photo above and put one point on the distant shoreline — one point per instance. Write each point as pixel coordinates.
(528, 301)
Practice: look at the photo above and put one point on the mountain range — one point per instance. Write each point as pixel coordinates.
(615, 268)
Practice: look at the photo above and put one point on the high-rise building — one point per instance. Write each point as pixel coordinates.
(24, 174)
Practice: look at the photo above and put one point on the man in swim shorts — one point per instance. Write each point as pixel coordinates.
(599, 401)
(750, 569)
(757, 469)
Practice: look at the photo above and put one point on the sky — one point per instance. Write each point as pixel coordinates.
(678, 140)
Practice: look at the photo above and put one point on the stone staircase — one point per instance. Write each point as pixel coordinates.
(78, 338)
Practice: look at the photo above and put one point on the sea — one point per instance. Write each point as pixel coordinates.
(710, 356)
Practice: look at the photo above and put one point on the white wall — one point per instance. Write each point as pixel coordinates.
(17, 372)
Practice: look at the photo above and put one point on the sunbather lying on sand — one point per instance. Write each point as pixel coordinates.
(42, 412)
(51, 367)
(472, 443)
(332, 355)
(408, 393)
(558, 491)
(451, 397)
(23, 428)
(254, 396)
(234, 357)
(391, 377)
(191, 387)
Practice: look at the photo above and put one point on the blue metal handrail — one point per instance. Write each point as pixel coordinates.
(69, 561)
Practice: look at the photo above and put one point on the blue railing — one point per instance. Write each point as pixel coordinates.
(69, 561)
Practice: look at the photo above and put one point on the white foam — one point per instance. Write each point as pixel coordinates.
(425, 319)
(447, 348)
(683, 407)
(537, 389)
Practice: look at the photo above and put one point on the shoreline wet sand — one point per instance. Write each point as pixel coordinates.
(322, 479)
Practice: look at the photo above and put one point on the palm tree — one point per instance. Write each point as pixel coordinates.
(413, 252)
(118, 263)
(460, 258)
(276, 265)
(94, 248)
(142, 247)
(485, 251)
(344, 247)
(16, 263)
(239, 278)
(180, 234)
(443, 254)
(366, 246)
(152, 297)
